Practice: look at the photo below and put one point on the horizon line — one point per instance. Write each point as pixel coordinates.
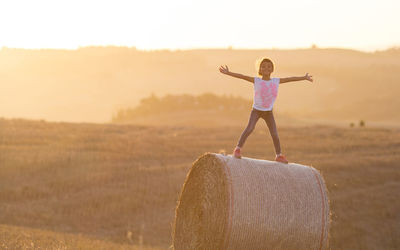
(313, 46)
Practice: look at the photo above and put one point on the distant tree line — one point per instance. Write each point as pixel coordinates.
(177, 103)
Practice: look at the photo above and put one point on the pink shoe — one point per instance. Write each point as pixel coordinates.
(281, 158)
(236, 153)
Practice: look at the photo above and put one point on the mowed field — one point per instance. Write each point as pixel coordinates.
(108, 186)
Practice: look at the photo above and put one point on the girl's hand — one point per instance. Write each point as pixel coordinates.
(308, 77)
(224, 70)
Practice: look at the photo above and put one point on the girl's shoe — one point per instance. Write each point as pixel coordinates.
(281, 158)
(236, 153)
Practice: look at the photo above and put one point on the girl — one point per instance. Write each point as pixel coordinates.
(265, 93)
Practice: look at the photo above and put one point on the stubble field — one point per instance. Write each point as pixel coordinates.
(94, 186)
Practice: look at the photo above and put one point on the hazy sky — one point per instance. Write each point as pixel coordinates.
(183, 24)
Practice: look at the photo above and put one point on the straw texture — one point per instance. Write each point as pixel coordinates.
(229, 203)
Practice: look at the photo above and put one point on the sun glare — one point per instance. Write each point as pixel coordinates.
(179, 24)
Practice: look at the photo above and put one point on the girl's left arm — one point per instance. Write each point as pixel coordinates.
(296, 78)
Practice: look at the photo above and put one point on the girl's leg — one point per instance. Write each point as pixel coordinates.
(254, 116)
(268, 116)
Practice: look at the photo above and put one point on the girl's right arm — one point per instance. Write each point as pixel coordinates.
(225, 70)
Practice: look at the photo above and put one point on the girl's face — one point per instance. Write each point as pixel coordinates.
(266, 68)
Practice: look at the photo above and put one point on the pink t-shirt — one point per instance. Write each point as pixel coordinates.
(265, 93)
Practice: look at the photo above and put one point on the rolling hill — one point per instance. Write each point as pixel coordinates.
(91, 84)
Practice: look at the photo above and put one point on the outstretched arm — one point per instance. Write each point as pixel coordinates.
(296, 78)
(225, 70)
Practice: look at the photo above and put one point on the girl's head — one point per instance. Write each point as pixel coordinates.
(264, 66)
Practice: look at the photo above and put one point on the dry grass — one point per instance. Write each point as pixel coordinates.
(13, 237)
(103, 181)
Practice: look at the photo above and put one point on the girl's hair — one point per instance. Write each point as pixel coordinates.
(261, 61)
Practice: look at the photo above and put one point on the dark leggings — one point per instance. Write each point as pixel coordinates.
(268, 117)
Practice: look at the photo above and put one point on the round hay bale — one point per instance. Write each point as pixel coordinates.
(229, 203)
